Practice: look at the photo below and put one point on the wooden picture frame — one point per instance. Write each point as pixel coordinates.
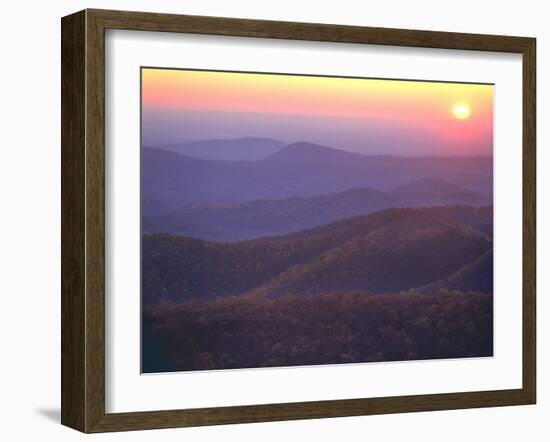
(83, 220)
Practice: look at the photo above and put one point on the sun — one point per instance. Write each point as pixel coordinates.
(461, 111)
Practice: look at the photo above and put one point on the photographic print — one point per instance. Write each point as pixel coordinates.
(295, 220)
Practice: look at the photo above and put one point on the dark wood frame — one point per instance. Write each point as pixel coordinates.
(83, 217)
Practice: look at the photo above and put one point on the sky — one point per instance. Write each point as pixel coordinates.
(369, 116)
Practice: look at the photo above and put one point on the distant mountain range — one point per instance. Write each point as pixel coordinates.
(304, 254)
(387, 251)
(309, 153)
(235, 149)
(249, 220)
(171, 180)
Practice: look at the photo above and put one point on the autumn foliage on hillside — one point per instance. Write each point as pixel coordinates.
(399, 284)
(388, 251)
(339, 327)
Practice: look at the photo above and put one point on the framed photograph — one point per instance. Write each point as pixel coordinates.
(267, 220)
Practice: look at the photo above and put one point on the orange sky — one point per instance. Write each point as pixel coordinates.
(402, 104)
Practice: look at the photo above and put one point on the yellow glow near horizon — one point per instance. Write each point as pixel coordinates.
(459, 115)
(461, 111)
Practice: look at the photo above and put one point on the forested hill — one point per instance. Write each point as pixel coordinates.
(392, 250)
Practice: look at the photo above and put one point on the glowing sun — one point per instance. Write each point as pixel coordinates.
(461, 111)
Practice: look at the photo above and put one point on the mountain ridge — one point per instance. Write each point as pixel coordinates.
(255, 219)
(420, 246)
(226, 149)
(170, 181)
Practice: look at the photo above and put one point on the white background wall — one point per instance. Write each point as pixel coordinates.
(30, 217)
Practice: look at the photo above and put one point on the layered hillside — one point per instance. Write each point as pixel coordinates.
(255, 219)
(171, 180)
(388, 251)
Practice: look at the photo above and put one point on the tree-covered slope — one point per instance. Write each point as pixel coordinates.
(340, 327)
(392, 250)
